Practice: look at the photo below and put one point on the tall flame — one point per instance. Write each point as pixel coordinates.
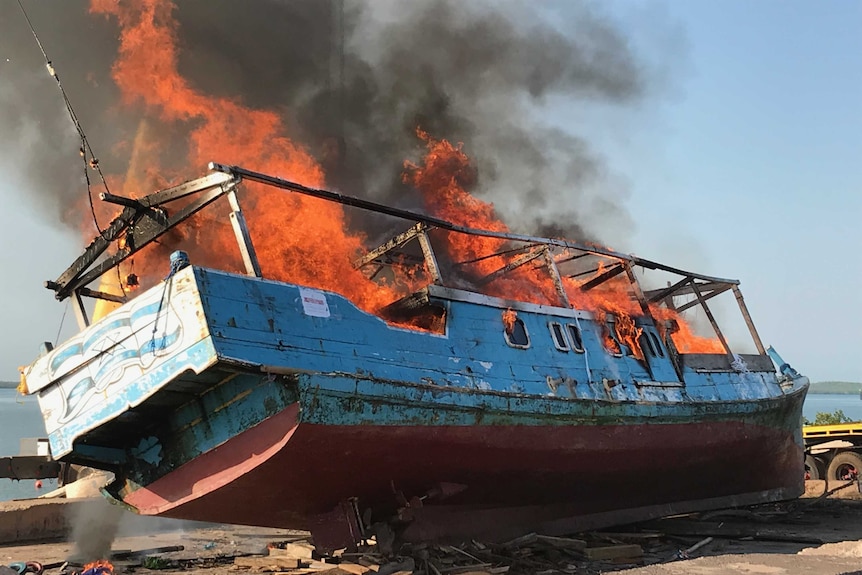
(306, 240)
(298, 238)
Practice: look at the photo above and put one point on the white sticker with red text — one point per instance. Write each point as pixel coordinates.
(314, 302)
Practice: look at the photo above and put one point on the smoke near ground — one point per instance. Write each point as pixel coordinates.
(352, 82)
(94, 527)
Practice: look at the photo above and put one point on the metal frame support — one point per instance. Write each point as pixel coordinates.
(636, 286)
(80, 310)
(711, 318)
(430, 258)
(243, 238)
(141, 221)
(517, 262)
(556, 277)
(604, 276)
(744, 310)
(417, 232)
(709, 295)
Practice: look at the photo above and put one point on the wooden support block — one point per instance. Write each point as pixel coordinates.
(613, 552)
(298, 550)
(268, 563)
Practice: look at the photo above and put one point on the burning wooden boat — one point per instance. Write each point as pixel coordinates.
(459, 409)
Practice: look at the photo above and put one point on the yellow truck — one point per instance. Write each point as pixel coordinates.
(833, 451)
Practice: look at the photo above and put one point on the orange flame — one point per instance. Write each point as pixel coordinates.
(306, 240)
(100, 566)
(509, 317)
(298, 238)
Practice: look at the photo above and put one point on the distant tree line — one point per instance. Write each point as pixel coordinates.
(847, 387)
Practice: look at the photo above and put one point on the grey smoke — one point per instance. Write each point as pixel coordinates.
(352, 82)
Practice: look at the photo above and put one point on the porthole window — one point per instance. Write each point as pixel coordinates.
(575, 336)
(558, 335)
(517, 336)
(657, 343)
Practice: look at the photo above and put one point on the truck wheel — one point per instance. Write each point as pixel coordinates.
(845, 466)
(813, 467)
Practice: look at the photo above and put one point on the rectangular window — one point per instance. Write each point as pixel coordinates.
(518, 336)
(559, 336)
(575, 336)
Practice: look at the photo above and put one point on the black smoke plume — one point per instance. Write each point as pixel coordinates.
(352, 81)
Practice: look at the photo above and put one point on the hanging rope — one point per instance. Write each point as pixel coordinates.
(86, 152)
(62, 320)
(179, 260)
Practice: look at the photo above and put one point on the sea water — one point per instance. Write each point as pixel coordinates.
(20, 417)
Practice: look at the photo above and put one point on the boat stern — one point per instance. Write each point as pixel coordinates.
(118, 362)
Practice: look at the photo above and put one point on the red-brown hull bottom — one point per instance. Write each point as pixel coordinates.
(281, 473)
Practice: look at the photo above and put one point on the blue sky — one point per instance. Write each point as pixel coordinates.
(744, 162)
(751, 167)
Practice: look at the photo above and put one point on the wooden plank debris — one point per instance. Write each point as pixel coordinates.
(268, 563)
(299, 550)
(731, 531)
(562, 542)
(354, 569)
(613, 552)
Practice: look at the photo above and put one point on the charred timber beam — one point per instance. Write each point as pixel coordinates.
(744, 310)
(711, 319)
(705, 296)
(188, 188)
(87, 292)
(585, 273)
(555, 276)
(142, 235)
(636, 286)
(515, 263)
(355, 202)
(651, 265)
(654, 296)
(430, 258)
(121, 201)
(408, 215)
(602, 278)
(394, 243)
(243, 237)
(138, 225)
(687, 290)
(566, 259)
(491, 255)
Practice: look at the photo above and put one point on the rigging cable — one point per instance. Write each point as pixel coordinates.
(85, 148)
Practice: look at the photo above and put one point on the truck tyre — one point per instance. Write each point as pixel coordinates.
(845, 466)
(813, 467)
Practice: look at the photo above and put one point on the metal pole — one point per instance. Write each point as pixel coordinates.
(711, 318)
(744, 309)
(243, 238)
